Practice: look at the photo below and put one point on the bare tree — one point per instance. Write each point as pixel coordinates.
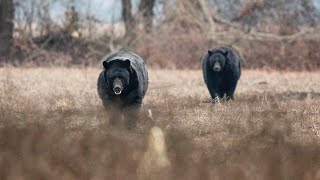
(6, 26)
(146, 9)
(45, 19)
(30, 18)
(127, 16)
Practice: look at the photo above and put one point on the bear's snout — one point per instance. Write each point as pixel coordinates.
(216, 67)
(117, 86)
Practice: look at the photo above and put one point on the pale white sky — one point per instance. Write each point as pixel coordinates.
(317, 3)
(105, 10)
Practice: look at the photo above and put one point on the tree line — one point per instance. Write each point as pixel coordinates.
(189, 26)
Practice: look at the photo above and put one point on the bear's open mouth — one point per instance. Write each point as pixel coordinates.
(117, 90)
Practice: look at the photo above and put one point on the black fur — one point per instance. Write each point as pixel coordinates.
(131, 70)
(224, 82)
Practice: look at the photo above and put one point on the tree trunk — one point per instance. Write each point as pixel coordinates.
(6, 27)
(127, 16)
(146, 9)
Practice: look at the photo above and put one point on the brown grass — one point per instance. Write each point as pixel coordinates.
(53, 126)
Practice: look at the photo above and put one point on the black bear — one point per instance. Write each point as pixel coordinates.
(221, 71)
(123, 84)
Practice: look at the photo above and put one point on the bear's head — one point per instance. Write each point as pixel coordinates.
(217, 60)
(117, 75)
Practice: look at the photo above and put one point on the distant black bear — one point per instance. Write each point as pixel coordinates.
(123, 83)
(221, 71)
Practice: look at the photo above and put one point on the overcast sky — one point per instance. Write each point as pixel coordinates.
(104, 10)
(317, 3)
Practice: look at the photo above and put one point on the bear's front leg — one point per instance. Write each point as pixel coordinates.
(132, 110)
(214, 90)
(131, 115)
(113, 112)
(231, 89)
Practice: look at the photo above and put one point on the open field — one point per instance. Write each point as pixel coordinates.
(53, 126)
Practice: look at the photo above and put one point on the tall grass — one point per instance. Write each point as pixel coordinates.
(53, 126)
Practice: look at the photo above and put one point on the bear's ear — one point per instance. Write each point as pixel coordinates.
(105, 64)
(128, 65)
(225, 53)
(210, 52)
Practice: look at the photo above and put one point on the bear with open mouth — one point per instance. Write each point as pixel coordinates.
(123, 84)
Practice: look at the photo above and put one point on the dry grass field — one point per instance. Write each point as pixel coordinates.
(53, 126)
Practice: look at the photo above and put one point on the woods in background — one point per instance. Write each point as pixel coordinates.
(6, 28)
(168, 33)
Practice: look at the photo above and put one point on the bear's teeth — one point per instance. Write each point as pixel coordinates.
(117, 93)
